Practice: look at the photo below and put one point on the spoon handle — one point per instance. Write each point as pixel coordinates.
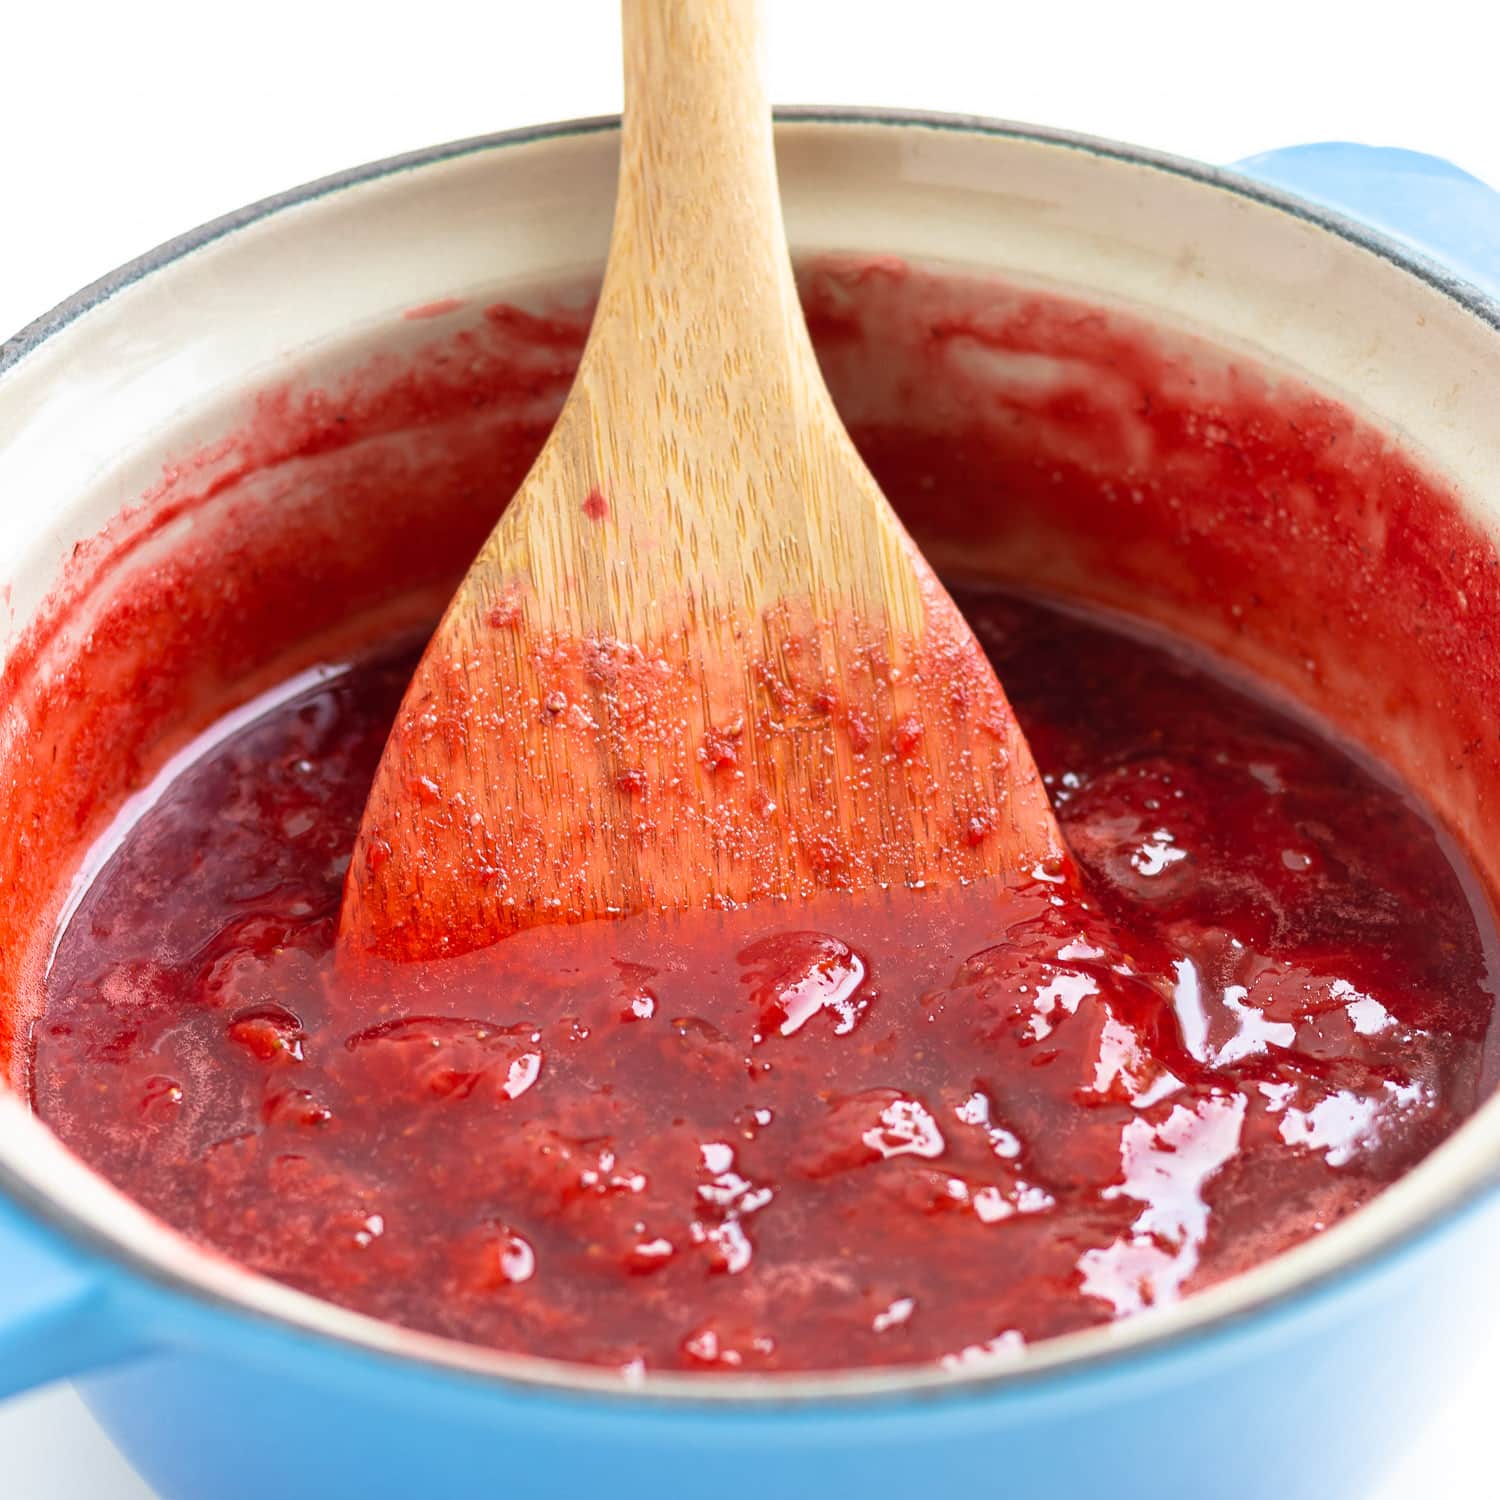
(698, 258)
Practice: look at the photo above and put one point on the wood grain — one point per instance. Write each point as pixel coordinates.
(698, 662)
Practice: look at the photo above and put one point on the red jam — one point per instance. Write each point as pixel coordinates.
(914, 1129)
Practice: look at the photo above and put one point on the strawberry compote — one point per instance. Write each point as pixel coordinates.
(924, 1128)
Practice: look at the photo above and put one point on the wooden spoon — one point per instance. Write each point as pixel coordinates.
(699, 662)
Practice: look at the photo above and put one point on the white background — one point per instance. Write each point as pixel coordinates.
(121, 126)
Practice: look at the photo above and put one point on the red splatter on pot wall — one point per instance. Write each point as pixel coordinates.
(1042, 439)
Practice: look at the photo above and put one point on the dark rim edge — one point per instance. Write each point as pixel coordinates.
(1151, 1345)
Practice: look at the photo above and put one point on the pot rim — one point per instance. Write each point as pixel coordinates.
(1356, 231)
(1152, 1336)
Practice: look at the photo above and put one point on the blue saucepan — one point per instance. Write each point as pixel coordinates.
(1370, 273)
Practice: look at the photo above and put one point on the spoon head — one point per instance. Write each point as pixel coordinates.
(549, 767)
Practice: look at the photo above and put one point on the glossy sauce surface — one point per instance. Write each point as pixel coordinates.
(912, 1129)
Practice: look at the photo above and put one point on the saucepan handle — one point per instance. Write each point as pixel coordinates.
(1437, 209)
(56, 1314)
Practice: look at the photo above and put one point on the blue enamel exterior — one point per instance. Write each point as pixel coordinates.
(1422, 200)
(1307, 1400)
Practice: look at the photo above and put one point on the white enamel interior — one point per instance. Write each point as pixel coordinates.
(88, 415)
